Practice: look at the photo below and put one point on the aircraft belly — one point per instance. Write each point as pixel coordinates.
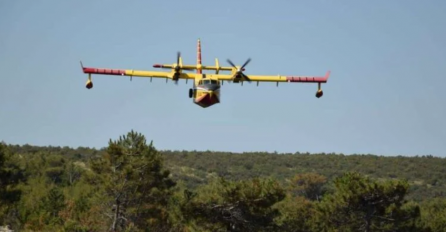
(206, 98)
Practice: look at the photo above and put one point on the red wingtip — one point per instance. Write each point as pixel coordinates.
(327, 74)
(82, 66)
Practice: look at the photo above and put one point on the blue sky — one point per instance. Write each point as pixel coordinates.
(385, 95)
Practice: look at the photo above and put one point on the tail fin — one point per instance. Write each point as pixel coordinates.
(199, 57)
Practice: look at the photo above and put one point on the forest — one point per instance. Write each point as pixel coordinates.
(130, 185)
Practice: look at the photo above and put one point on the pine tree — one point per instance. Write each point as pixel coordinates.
(362, 204)
(133, 186)
(9, 178)
(235, 206)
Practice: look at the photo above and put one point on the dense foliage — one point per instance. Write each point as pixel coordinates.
(132, 186)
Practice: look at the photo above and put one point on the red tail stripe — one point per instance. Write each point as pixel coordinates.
(199, 55)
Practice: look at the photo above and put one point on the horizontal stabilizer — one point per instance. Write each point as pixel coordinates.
(194, 67)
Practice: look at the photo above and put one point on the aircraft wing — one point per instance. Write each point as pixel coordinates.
(279, 78)
(135, 73)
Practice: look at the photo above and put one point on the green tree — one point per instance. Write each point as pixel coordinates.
(9, 178)
(296, 214)
(134, 189)
(72, 172)
(362, 204)
(433, 214)
(309, 185)
(235, 206)
(54, 201)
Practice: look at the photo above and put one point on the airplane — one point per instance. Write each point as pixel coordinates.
(205, 90)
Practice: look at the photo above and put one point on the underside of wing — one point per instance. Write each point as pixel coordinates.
(124, 72)
(278, 78)
(237, 77)
(173, 75)
(136, 73)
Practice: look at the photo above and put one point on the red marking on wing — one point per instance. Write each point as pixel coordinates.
(106, 71)
(308, 79)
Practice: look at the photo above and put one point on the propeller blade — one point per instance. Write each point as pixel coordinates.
(177, 67)
(246, 63)
(239, 71)
(230, 62)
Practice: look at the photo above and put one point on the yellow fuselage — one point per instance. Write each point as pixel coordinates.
(206, 92)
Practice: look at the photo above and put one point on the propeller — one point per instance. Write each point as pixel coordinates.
(239, 73)
(177, 69)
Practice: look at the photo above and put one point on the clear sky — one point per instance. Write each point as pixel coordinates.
(386, 94)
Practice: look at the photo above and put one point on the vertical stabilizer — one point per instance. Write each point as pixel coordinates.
(199, 57)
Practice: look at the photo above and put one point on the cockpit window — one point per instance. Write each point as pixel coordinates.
(206, 82)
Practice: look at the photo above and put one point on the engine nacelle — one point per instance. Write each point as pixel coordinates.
(89, 84)
(319, 93)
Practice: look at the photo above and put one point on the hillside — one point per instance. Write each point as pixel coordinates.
(130, 185)
(426, 174)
